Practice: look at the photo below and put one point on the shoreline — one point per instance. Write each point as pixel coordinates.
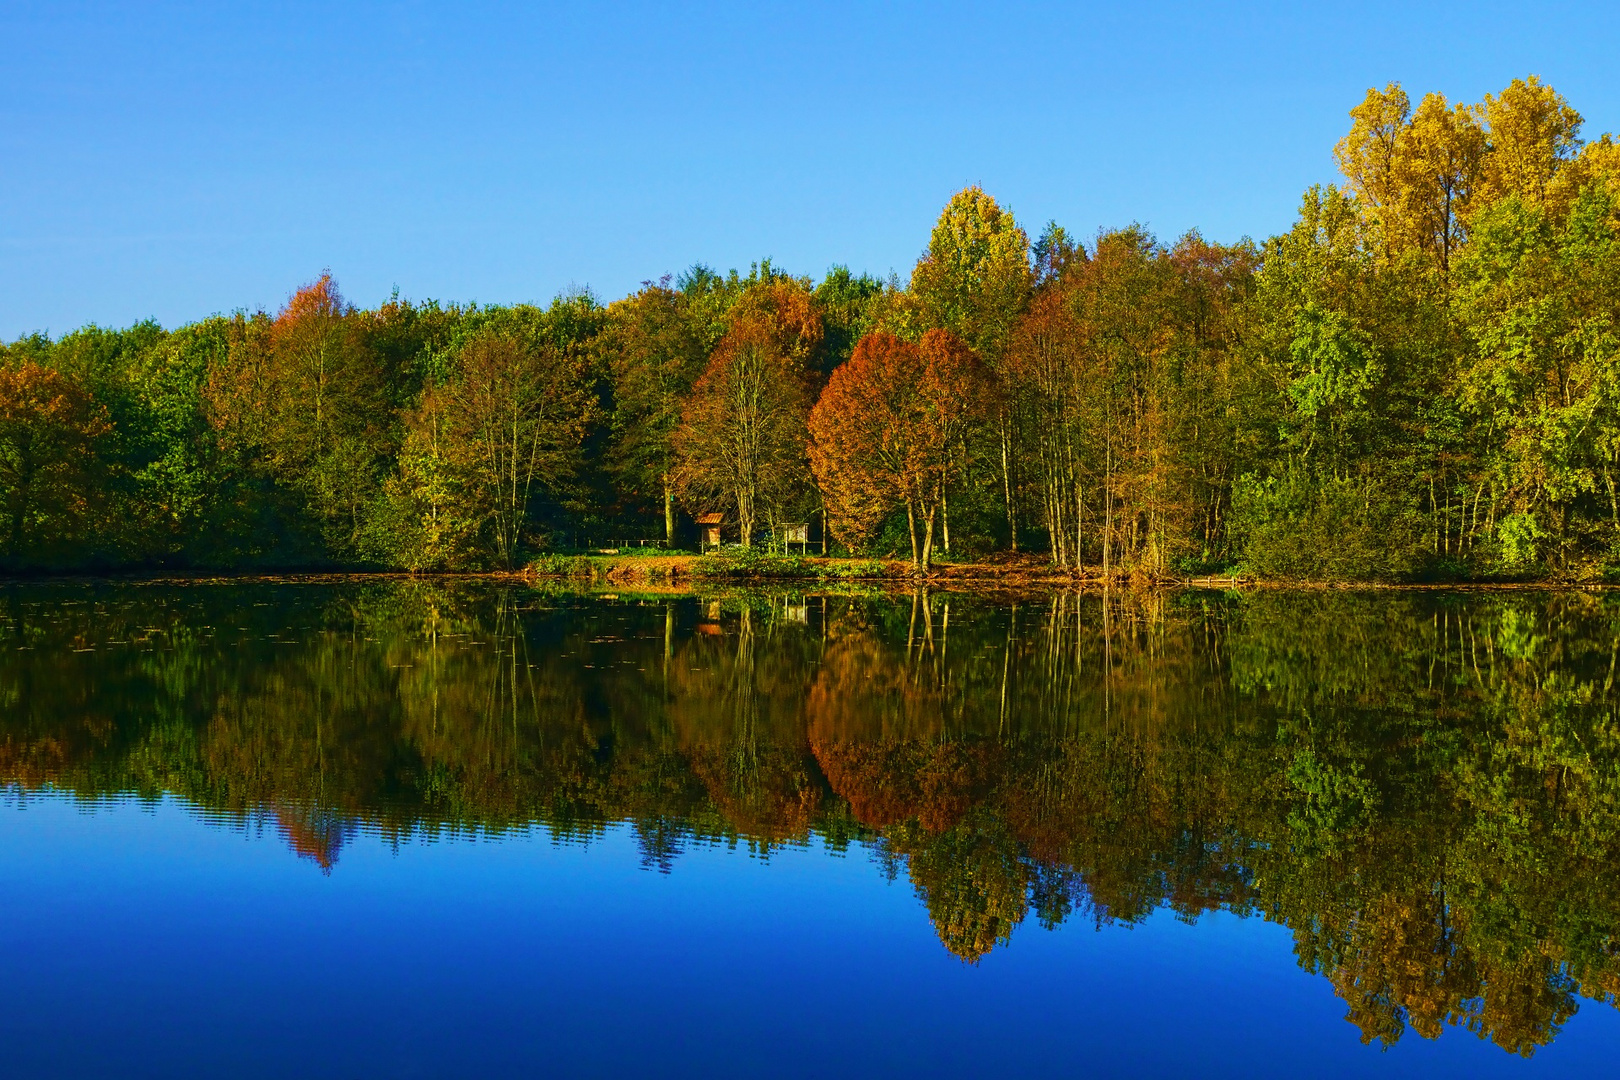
(691, 572)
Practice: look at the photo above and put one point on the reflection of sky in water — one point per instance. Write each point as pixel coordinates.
(142, 941)
(1418, 789)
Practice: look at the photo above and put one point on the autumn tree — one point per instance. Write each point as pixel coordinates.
(655, 348)
(1124, 364)
(1533, 134)
(741, 437)
(1122, 299)
(50, 480)
(864, 435)
(1048, 364)
(783, 312)
(975, 277)
(1415, 173)
(891, 429)
(1422, 174)
(974, 280)
(329, 421)
(307, 397)
(959, 399)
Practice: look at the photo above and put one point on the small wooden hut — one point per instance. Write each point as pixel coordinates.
(709, 531)
(796, 532)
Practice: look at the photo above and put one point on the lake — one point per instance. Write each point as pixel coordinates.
(450, 828)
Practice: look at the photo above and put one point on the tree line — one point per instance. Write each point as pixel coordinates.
(1416, 380)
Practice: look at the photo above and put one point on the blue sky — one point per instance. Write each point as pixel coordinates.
(174, 160)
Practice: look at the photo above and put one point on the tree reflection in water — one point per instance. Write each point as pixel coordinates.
(1424, 787)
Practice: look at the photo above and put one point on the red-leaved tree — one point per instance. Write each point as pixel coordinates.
(890, 430)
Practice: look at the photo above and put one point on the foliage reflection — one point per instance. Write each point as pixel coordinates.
(1425, 788)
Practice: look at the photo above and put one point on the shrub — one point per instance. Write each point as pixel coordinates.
(553, 564)
(858, 568)
(1311, 528)
(753, 563)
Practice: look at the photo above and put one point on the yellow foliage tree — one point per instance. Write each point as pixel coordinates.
(1533, 133)
(1415, 173)
(1421, 175)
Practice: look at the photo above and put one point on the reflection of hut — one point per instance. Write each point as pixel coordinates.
(709, 623)
(796, 532)
(708, 531)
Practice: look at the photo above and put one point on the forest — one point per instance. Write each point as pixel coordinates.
(1417, 381)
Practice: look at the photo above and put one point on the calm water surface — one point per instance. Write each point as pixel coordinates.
(429, 829)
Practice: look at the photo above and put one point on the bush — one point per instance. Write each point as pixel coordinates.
(753, 563)
(857, 568)
(553, 564)
(1305, 527)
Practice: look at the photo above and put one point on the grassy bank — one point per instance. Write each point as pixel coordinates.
(637, 568)
(737, 565)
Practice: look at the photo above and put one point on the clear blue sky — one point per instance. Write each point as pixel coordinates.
(177, 160)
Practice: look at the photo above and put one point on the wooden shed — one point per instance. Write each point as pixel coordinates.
(709, 530)
(796, 532)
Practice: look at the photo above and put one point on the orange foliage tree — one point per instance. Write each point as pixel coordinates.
(49, 430)
(891, 429)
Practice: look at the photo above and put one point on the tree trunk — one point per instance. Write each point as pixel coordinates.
(745, 517)
(928, 541)
(1108, 512)
(911, 523)
(1079, 528)
(669, 514)
(1006, 479)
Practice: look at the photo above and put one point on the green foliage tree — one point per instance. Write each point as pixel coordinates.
(1541, 297)
(510, 421)
(656, 346)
